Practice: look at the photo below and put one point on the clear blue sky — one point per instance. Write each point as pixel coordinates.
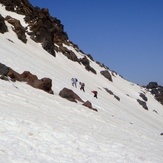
(125, 35)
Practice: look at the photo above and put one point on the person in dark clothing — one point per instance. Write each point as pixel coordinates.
(82, 85)
(95, 93)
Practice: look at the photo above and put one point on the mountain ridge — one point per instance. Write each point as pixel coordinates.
(41, 127)
(47, 30)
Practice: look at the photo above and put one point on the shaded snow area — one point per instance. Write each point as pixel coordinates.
(37, 127)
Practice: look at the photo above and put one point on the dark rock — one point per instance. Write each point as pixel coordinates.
(3, 69)
(43, 32)
(4, 78)
(85, 62)
(18, 6)
(155, 111)
(103, 66)
(89, 105)
(143, 97)
(10, 40)
(69, 95)
(90, 57)
(18, 28)
(44, 28)
(159, 97)
(69, 54)
(156, 90)
(3, 27)
(43, 84)
(143, 104)
(109, 91)
(152, 85)
(117, 97)
(106, 74)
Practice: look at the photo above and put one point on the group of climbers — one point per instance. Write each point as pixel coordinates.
(82, 85)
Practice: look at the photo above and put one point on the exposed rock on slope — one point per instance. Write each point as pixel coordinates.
(107, 75)
(156, 90)
(3, 27)
(85, 62)
(73, 97)
(43, 84)
(42, 28)
(17, 28)
(70, 95)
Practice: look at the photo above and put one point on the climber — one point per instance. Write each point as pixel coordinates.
(74, 81)
(82, 85)
(95, 93)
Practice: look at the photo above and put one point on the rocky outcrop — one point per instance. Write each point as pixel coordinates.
(143, 104)
(107, 75)
(152, 85)
(3, 27)
(69, 95)
(86, 63)
(44, 29)
(89, 105)
(68, 53)
(73, 97)
(156, 90)
(18, 6)
(111, 93)
(43, 84)
(143, 97)
(90, 57)
(3, 70)
(17, 28)
(102, 65)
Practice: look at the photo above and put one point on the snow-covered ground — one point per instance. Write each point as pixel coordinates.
(37, 127)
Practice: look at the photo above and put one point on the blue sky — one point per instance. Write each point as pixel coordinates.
(125, 35)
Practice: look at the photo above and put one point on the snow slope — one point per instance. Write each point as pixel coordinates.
(36, 127)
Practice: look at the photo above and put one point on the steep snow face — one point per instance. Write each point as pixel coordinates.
(42, 128)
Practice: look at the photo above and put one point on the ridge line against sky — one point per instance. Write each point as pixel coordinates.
(127, 36)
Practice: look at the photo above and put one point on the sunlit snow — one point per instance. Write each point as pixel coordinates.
(37, 127)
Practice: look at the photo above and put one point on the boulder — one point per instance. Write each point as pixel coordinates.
(89, 105)
(89, 55)
(3, 27)
(143, 97)
(156, 90)
(152, 85)
(18, 28)
(3, 69)
(69, 95)
(143, 104)
(86, 63)
(107, 75)
(43, 84)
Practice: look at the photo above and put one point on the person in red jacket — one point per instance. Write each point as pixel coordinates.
(95, 93)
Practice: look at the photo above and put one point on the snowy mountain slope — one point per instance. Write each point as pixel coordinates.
(38, 127)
